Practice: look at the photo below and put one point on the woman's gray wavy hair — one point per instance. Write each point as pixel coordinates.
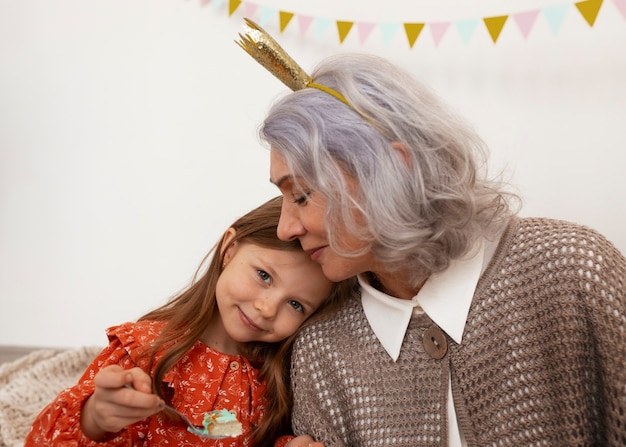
(419, 214)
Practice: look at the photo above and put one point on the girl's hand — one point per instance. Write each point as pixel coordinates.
(121, 398)
(303, 441)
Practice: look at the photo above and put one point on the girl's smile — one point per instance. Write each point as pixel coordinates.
(248, 322)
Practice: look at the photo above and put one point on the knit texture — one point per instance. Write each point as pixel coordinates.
(542, 361)
(29, 383)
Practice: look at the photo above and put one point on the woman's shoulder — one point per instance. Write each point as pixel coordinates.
(542, 234)
(537, 247)
(531, 227)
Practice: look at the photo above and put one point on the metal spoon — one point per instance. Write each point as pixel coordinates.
(191, 427)
(195, 429)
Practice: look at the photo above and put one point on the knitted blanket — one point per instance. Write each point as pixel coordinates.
(29, 383)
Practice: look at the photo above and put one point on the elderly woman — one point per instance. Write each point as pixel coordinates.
(473, 326)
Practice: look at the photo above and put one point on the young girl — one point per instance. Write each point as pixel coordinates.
(214, 346)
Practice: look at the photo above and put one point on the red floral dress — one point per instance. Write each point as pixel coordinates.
(203, 380)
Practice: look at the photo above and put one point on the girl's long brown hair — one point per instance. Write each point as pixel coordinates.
(189, 313)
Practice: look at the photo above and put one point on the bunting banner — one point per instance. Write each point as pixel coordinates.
(554, 16)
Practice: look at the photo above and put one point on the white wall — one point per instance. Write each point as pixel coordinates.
(128, 136)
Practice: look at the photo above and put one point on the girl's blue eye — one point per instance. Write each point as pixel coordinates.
(265, 277)
(296, 305)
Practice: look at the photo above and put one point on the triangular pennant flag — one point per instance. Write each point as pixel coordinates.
(250, 9)
(388, 31)
(344, 29)
(494, 26)
(232, 6)
(413, 31)
(217, 3)
(621, 7)
(321, 25)
(466, 29)
(285, 18)
(555, 16)
(525, 21)
(304, 22)
(589, 10)
(437, 30)
(204, 2)
(364, 30)
(266, 14)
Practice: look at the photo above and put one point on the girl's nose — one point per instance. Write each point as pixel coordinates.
(267, 306)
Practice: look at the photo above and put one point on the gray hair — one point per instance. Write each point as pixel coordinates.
(419, 215)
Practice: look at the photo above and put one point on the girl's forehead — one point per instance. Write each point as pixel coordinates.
(287, 255)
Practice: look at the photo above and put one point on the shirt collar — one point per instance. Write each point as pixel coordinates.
(445, 297)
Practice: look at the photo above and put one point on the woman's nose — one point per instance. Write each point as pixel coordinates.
(289, 226)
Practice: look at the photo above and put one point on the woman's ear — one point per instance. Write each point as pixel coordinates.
(229, 247)
(403, 152)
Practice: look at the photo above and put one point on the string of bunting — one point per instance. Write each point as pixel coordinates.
(525, 20)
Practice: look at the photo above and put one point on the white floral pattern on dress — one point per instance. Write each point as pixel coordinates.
(201, 381)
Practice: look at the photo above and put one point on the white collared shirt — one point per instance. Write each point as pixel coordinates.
(445, 297)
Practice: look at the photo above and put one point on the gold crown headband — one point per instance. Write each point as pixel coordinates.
(266, 51)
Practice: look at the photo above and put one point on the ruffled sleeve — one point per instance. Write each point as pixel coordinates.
(58, 424)
(202, 380)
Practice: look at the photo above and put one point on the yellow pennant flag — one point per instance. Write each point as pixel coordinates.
(413, 31)
(232, 6)
(494, 26)
(285, 18)
(589, 10)
(343, 28)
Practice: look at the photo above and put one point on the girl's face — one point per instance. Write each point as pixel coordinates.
(265, 294)
(302, 217)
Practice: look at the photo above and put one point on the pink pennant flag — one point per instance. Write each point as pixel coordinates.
(250, 9)
(204, 2)
(364, 30)
(525, 21)
(621, 7)
(304, 22)
(438, 30)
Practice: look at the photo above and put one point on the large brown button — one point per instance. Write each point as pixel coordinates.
(435, 342)
(234, 365)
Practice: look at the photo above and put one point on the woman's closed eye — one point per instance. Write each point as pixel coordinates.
(299, 200)
(301, 197)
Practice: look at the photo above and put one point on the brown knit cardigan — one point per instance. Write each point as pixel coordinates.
(542, 361)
